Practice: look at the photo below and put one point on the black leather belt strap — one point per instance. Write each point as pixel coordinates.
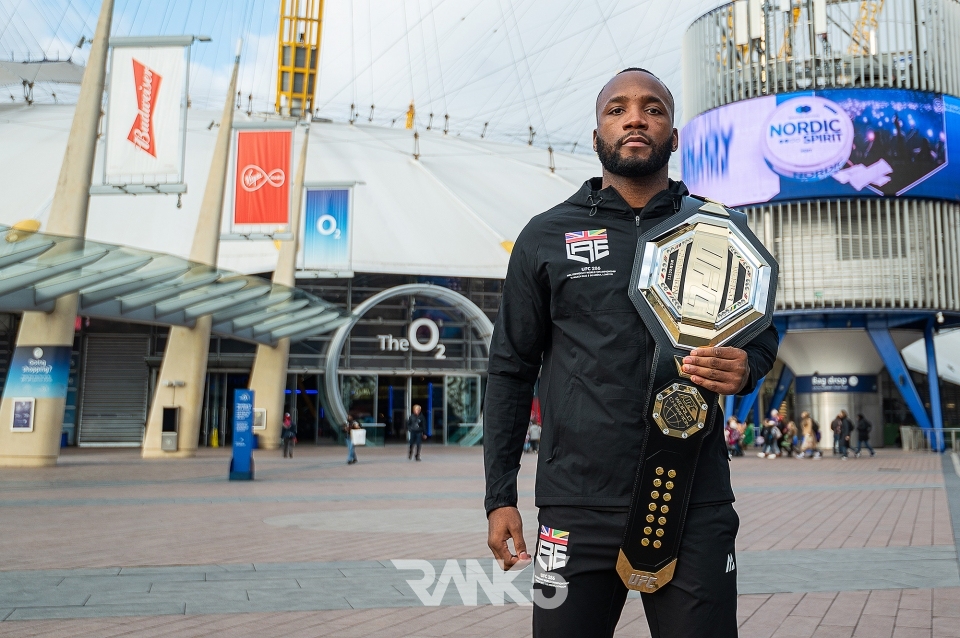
(678, 415)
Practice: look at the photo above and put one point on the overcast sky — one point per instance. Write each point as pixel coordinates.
(510, 63)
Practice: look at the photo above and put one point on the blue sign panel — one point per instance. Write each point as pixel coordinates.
(326, 231)
(241, 466)
(38, 371)
(837, 383)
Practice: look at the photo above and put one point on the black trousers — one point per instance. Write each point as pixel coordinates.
(415, 440)
(701, 600)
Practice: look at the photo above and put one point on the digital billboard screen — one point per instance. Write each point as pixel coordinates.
(828, 144)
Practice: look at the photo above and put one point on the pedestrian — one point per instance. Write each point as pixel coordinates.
(846, 430)
(789, 441)
(351, 448)
(809, 432)
(416, 430)
(566, 322)
(533, 431)
(837, 427)
(770, 433)
(288, 435)
(863, 434)
(733, 436)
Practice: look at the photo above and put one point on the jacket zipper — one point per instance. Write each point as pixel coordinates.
(638, 226)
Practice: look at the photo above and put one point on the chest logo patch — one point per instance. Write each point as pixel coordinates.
(587, 246)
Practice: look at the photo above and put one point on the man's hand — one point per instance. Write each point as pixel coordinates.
(504, 523)
(722, 370)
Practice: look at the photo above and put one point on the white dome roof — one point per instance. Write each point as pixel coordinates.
(453, 212)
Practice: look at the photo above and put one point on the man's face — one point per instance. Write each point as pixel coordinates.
(416, 409)
(635, 134)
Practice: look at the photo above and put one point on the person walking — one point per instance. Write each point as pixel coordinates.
(733, 437)
(351, 448)
(567, 323)
(789, 441)
(837, 428)
(417, 430)
(863, 434)
(846, 430)
(770, 434)
(288, 435)
(808, 432)
(533, 432)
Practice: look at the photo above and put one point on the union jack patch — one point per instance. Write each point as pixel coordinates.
(587, 246)
(554, 535)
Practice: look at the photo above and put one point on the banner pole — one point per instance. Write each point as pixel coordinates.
(54, 331)
(268, 378)
(185, 356)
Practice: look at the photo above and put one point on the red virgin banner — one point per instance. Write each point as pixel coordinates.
(262, 193)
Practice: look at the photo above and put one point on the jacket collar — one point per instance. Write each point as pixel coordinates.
(594, 198)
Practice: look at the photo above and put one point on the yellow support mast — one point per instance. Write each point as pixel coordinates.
(301, 26)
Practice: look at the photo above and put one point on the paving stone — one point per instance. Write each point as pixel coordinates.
(98, 611)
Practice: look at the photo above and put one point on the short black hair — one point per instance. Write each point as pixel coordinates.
(651, 74)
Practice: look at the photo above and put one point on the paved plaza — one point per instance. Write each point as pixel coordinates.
(107, 544)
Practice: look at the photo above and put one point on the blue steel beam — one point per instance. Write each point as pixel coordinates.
(783, 385)
(747, 402)
(728, 405)
(933, 380)
(890, 355)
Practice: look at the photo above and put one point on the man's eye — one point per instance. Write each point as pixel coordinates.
(616, 111)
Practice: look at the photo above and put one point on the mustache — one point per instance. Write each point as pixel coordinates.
(633, 136)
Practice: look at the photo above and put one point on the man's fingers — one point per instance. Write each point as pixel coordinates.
(518, 543)
(712, 373)
(731, 365)
(502, 553)
(719, 353)
(719, 387)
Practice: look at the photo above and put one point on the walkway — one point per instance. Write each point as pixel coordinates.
(108, 544)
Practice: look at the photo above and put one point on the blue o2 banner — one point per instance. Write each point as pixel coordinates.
(241, 466)
(40, 372)
(326, 230)
(837, 383)
(830, 143)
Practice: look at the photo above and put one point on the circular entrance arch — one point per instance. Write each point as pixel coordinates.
(474, 315)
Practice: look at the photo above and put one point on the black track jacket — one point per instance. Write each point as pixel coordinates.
(565, 316)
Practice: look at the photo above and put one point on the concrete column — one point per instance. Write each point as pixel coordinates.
(185, 357)
(269, 377)
(68, 216)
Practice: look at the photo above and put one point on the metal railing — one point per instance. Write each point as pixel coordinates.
(915, 439)
(732, 53)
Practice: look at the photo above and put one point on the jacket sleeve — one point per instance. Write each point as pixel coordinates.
(520, 336)
(761, 355)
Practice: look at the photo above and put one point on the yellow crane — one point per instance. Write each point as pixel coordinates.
(865, 27)
(301, 26)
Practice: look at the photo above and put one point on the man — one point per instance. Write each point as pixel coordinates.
(863, 434)
(571, 323)
(289, 435)
(417, 429)
(836, 426)
(846, 430)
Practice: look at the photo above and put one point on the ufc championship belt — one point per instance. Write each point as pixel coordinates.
(700, 278)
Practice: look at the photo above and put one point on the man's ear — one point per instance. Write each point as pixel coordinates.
(594, 140)
(676, 141)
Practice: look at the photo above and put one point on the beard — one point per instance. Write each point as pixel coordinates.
(614, 162)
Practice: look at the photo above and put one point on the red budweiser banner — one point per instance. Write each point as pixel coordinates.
(147, 84)
(263, 177)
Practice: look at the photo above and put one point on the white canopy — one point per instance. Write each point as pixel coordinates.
(947, 346)
(453, 212)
